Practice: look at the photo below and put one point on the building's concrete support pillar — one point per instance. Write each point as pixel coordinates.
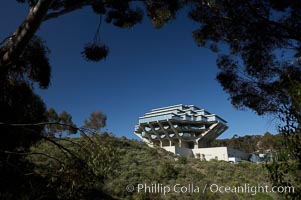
(196, 144)
(180, 142)
(151, 141)
(158, 136)
(215, 131)
(176, 132)
(202, 141)
(166, 133)
(210, 129)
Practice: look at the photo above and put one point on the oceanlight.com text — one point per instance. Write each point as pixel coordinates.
(251, 189)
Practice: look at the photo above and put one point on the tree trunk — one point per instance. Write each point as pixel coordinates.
(14, 47)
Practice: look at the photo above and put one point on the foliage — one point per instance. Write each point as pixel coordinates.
(19, 108)
(266, 143)
(257, 68)
(183, 160)
(120, 13)
(57, 167)
(58, 124)
(285, 169)
(162, 11)
(75, 177)
(139, 164)
(94, 52)
(261, 69)
(32, 66)
(96, 121)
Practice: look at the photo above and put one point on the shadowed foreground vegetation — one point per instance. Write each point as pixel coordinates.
(133, 162)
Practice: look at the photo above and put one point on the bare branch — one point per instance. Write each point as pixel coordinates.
(77, 6)
(37, 124)
(70, 9)
(62, 147)
(33, 153)
(82, 129)
(10, 164)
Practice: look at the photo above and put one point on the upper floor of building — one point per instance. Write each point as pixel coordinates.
(180, 112)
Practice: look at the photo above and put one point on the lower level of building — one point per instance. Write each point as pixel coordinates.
(217, 153)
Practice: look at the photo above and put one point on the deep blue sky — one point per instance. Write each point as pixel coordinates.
(146, 68)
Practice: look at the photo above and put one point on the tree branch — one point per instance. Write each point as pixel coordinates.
(49, 139)
(62, 147)
(37, 124)
(82, 129)
(14, 47)
(77, 6)
(67, 10)
(4, 40)
(33, 153)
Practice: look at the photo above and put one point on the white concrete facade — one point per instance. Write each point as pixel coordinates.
(210, 153)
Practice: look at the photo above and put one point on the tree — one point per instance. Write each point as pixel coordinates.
(59, 124)
(263, 38)
(121, 13)
(96, 121)
(23, 63)
(261, 70)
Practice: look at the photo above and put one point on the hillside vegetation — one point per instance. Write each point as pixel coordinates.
(252, 143)
(118, 162)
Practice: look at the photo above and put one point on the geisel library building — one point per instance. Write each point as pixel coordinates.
(186, 130)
